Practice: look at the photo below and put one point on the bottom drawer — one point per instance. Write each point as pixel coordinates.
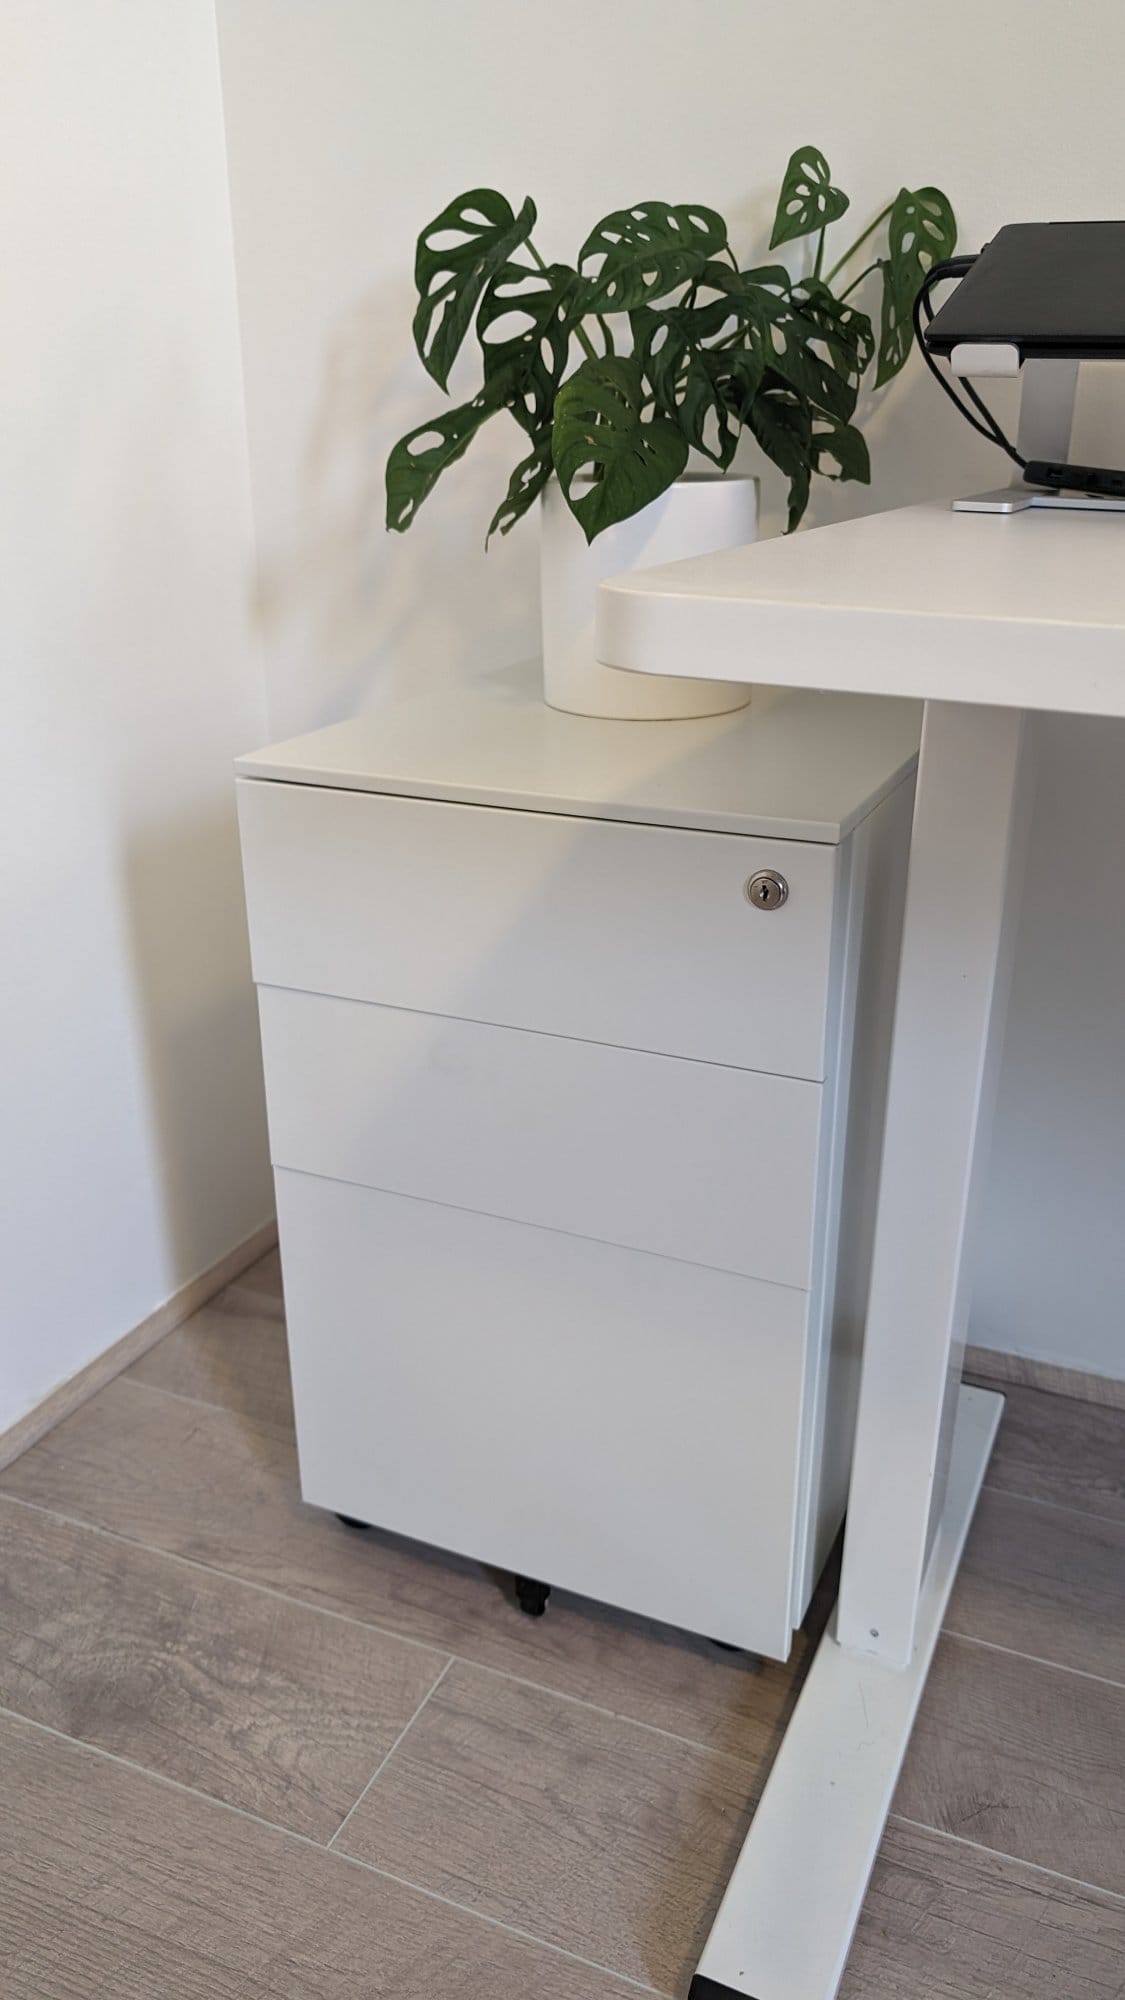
(620, 1424)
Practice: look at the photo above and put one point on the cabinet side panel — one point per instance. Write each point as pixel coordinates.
(873, 867)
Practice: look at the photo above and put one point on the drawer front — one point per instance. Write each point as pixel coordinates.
(685, 1159)
(620, 1425)
(639, 936)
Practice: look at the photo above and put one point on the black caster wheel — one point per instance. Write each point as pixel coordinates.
(349, 1521)
(531, 1596)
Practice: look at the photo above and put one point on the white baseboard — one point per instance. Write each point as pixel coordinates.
(77, 1389)
(993, 1366)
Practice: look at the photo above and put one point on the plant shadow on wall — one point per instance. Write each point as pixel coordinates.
(679, 347)
(328, 591)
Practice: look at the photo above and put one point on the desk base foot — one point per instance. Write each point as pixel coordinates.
(786, 1923)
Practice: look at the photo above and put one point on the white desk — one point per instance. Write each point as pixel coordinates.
(987, 619)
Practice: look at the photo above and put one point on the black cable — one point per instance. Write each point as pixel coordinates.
(989, 428)
(961, 265)
(953, 267)
(956, 267)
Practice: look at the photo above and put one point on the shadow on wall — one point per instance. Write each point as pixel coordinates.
(1058, 1159)
(196, 1020)
(344, 607)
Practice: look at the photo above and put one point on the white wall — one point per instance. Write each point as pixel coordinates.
(131, 1110)
(350, 124)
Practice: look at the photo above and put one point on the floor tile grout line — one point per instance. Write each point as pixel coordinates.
(132, 1381)
(1002, 1854)
(1033, 1659)
(453, 1659)
(204, 1402)
(335, 1855)
(386, 1758)
(512, 1930)
(1096, 1889)
(268, 1305)
(522, 1680)
(981, 1379)
(1056, 1506)
(223, 1575)
(364, 1625)
(598, 1708)
(461, 1659)
(80, 1744)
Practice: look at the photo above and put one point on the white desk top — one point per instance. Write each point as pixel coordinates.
(1023, 610)
(790, 767)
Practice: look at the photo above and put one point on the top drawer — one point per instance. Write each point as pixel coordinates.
(636, 935)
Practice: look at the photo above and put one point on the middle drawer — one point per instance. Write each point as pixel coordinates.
(688, 1159)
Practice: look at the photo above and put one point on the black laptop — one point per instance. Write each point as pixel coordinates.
(1055, 290)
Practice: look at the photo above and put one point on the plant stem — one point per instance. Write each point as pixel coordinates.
(856, 282)
(869, 231)
(584, 341)
(819, 264)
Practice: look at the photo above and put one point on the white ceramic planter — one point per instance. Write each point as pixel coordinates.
(699, 514)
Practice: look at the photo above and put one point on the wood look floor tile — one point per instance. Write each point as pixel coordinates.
(1028, 1760)
(117, 1887)
(1044, 1581)
(602, 1837)
(1052, 1448)
(944, 1919)
(212, 1485)
(231, 1353)
(261, 1282)
(281, 1710)
(991, 1370)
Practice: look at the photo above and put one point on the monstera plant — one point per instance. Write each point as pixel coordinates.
(678, 347)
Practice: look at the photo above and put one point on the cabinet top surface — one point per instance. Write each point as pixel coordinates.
(1022, 611)
(792, 766)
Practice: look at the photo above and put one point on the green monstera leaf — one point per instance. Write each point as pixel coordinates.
(457, 254)
(524, 487)
(845, 334)
(646, 251)
(792, 354)
(896, 329)
(808, 199)
(782, 424)
(840, 452)
(524, 325)
(922, 232)
(697, 379)
(600, 429)
(711, 350)
(704, 359)
(419, 459)
(820, 347)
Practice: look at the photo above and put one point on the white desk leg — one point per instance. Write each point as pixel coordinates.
(922, 1442)
(962, 897)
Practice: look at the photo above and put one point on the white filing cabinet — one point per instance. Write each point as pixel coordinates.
(575, 1143)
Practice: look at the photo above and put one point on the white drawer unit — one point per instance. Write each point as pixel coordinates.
(502, 916)
(574, 1131)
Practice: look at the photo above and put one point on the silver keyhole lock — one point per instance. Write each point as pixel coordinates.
(767, 890)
